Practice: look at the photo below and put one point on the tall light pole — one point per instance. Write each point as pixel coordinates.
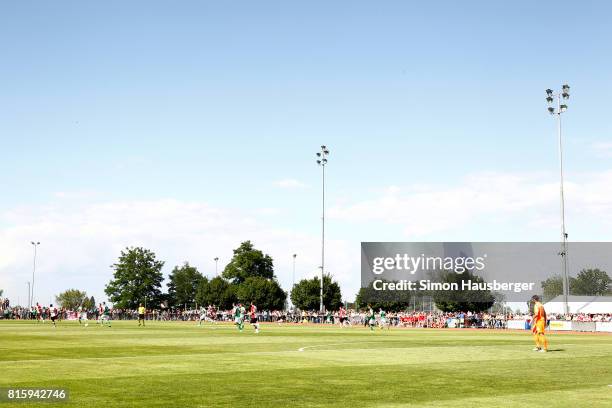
(216, 265)
(28, 282)
(294, 256)
(35, 245)
(322, 161)
(561, 107)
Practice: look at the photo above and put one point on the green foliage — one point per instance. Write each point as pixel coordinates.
(71, 299)
(391, 301)
(89, 303)
(553, 287)
(137, 274)
(217, 291)
(592, 282)
(1, 292)
(183, 285)
(246, 262)
(462, 300)
(266, 294)
(305, 295)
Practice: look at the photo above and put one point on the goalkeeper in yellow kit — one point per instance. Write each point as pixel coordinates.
(538, 324)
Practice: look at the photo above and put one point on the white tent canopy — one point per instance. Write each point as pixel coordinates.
(580, 304)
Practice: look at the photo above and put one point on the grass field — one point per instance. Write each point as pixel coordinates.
(176, 364)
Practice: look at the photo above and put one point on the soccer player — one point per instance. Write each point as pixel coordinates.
(383, 319)
(238, 313)
(342, 315)
(202, 315)
(83, 316)
(39, 312)
(105, 315)
(99, 312)
(141, 315)
(211, 312)
(53, 314)
(371, 318)
(538, 324)
(253, 315)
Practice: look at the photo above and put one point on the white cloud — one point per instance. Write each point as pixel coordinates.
(527, 200)
(80, 239)
(80, 242)
(289, 183)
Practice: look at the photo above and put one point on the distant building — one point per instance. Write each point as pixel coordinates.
(580, 304)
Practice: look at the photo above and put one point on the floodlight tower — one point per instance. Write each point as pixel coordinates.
(294, 256)
(322, 161)
(561, 107)
(35, 244)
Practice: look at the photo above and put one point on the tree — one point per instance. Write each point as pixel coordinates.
(89, 304)
(218, 292)
(391, 301)
(460, 299)
(553, 287)
(1, 292)
(183, 285)
(137, 275)
(71, 299)
(248, 261)
(305, 295)
(592, 282)
(266, 294)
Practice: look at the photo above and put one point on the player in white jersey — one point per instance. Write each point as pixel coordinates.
(53, 314)
(83, 316)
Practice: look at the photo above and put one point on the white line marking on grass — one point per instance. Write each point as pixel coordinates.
(320, 345)
(338, 344)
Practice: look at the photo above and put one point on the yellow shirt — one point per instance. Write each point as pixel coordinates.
(141, 310)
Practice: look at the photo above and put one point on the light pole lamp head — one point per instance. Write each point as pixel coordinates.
(551, 110)
(562, 108)
(549, 99)
(294, 256)
(549, 92)
(565, 91)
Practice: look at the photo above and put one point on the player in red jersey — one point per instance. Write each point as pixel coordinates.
(39, 310)
(342, 315)
(253, 316)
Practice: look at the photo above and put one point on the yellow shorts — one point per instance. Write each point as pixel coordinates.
(540, 326)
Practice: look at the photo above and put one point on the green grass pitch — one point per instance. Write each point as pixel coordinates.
(178, 364)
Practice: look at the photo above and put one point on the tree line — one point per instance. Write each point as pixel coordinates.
(248, 277)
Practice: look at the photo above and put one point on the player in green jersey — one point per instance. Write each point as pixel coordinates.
(105, 315)
(238, 313)
(371, 317)
(383, 319)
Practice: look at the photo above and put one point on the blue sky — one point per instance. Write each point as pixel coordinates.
(117, 105)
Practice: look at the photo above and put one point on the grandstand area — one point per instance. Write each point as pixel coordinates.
(177, 363)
